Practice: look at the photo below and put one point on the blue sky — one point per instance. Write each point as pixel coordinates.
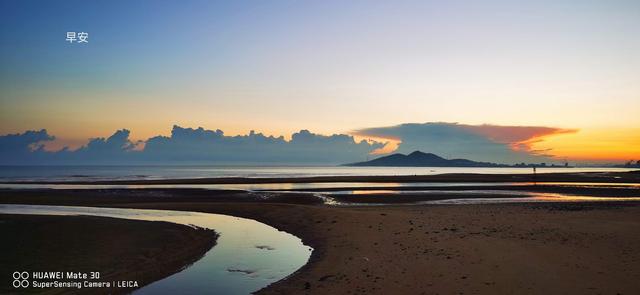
(327, 66)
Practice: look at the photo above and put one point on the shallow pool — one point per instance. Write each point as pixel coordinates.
(249, 255)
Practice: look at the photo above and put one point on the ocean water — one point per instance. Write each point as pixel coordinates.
(62, 173)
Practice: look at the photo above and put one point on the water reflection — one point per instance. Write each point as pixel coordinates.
(249, 255)
(314, 186)
(532, 198)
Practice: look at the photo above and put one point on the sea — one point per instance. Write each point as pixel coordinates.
(90, 173)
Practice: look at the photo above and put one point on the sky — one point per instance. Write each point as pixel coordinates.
(330, 67)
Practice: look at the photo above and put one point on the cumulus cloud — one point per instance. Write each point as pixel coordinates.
(24, 147)
(187, 144)
(118, 142)
(190, 146)
(492, 143)
(501, 144)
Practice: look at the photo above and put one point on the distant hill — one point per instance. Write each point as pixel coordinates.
(420, 159)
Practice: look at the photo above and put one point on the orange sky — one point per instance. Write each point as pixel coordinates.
(597, 144)
(584, 145)
(330, 67)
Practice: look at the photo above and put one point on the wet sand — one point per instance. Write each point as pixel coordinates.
(120, 249)
(555, 248)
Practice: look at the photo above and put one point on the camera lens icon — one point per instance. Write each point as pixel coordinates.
(20, 275)
(20, 279)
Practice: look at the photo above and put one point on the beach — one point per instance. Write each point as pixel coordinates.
(89, 244)
(320, 147)
(393, 248)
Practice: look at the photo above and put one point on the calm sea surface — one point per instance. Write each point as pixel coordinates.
(51, 173)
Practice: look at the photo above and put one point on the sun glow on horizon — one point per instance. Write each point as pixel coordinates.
(539, 88)
(597, 145)
(594, 144)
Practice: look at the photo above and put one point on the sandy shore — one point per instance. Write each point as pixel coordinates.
(120, 249)
(554, 248)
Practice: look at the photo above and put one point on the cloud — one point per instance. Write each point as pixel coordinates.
(116, 143)
(517, 137)
(17, 148)
(502, 144)
(187, 144)
(190, 146)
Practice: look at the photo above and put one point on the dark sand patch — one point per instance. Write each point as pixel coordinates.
(119, 249)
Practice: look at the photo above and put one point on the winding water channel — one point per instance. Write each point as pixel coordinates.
(249, 255)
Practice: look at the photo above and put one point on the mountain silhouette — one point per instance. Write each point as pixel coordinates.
(420, 159)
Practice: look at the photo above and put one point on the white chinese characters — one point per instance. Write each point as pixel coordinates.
(77, 37)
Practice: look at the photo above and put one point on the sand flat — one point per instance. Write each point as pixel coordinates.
(556, 248)
(479, 249)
